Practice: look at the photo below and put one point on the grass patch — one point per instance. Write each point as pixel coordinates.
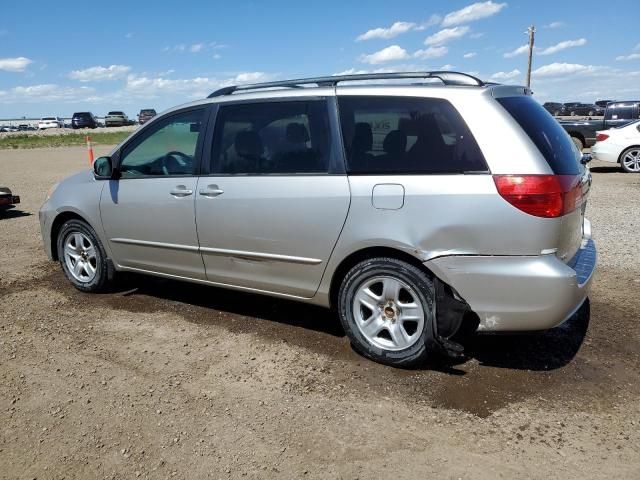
(65, 140)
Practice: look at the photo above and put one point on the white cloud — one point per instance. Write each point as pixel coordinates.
(98, 73)
(434, 19)
(563, 46)
(44, 93)
(431, 52)
(446, 35)
(555, 25)
(447, 66)
(632, 56)
(563, 69)
(389, 54)
(505, 75)
(472, 13)
(217, 56)
(197, 87)
(469, 55)
(196, 47)
(129, 35)
(17, 64)
(394, 30)
(518, 51)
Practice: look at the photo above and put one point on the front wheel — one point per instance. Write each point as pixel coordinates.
(82, 256)
(630, 160)
(386, 308)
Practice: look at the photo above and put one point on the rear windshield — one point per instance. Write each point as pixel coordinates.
(546, 133)
(81, 115)
(48, 118)
(147, 112)
(116, 113)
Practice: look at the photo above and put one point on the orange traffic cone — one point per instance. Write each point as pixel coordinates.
(90, 150)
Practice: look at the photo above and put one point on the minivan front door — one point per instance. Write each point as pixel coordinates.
(276, 199)
(148, 214)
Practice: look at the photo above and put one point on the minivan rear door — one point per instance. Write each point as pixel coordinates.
(274, 196)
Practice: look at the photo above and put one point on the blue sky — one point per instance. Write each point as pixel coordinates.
(57, 58)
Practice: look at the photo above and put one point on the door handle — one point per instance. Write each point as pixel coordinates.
(181, 191)
(211, 191)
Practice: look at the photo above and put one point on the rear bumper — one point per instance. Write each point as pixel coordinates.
(6, 200)
(512, 294)
(606, 152)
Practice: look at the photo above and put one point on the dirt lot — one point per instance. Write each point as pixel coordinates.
(168, 380)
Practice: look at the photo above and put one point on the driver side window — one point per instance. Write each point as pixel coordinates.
(168, 149)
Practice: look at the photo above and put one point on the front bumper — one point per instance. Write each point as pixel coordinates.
(512, 294)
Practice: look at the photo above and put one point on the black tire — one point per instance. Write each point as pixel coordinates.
(578, 143)
(101, 279)
(417, 353)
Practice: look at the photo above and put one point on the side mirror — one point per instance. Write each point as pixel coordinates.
(103, 168)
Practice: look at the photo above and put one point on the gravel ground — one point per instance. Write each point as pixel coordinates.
(168, 380)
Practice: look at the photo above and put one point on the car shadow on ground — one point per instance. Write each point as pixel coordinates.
(612, 169)
(544, 351)
(12, 213)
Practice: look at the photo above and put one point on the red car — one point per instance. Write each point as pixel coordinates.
(7, 199)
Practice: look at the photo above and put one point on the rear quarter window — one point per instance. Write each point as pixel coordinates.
(545, 132)
(406, 135)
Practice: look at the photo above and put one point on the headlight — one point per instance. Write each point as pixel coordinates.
(51, 190)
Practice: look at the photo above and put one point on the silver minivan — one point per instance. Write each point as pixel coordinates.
(414, 204)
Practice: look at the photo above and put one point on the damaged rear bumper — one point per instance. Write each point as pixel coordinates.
(512, 294)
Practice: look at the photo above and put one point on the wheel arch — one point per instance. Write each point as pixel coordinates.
(363, 254)
(579, 136)
(57, 224)
(623, 152)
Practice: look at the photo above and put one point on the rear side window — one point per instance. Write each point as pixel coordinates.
(272, 138)
(545, 132)
(406, 135)
(620, 112)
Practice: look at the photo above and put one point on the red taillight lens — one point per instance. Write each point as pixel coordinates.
(546, 196)
(601, 137)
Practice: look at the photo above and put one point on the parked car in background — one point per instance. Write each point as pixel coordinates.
(83, 120)
(7, 199)
(575, 108)
(50, 122)
(116, 118)
(145, 115)
(619, 145)
(554, 108)
(583, 132)
(396, 204)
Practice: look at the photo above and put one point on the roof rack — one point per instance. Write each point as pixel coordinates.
(448, 78)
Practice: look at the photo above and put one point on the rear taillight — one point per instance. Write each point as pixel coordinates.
(546, 196)
(601, 137)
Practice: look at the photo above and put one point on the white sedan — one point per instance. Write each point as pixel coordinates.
(50, 122)
(619, 145)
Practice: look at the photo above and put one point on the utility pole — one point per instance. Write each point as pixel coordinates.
(531, 31)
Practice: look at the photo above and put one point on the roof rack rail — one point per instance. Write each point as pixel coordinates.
(447, 77)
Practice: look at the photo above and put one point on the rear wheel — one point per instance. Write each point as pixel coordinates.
(630, 160)
(578, 143)
(386, 309)
(82, 256)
